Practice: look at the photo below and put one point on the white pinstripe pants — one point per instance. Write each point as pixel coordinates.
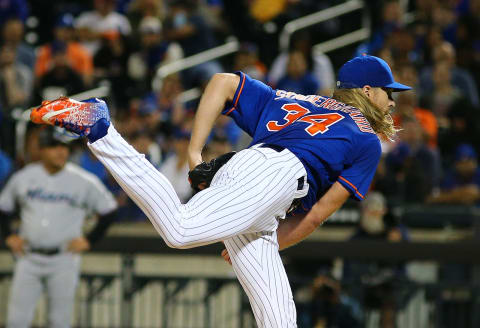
(247, 197)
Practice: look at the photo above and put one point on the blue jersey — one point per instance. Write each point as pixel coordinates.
(334, 141)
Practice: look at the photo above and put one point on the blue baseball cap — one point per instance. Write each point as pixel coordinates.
(367, 70)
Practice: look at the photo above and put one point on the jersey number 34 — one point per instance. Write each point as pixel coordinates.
(318, 123)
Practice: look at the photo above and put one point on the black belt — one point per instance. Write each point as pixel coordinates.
(277, 148)
(45, 251)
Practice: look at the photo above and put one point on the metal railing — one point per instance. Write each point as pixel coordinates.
(118, 300)
(104, 299)
(295, 25)
(188, 62)
(317, 18)
(342, 41)
(353, 37)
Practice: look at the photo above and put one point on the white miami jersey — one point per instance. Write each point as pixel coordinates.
(53, 207)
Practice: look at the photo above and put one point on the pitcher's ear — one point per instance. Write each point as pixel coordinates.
(367, 90)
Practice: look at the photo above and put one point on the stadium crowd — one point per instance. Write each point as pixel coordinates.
(67, 47)
(78, 46)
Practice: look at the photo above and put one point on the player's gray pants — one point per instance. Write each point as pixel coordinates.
(247, 197)
(58, 274)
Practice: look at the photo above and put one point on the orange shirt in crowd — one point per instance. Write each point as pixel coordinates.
(78, 56)
(428, 122)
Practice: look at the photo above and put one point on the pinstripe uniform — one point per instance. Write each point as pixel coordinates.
(289, 158)
(242, 207)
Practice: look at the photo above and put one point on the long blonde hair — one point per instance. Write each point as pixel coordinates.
(380, 123)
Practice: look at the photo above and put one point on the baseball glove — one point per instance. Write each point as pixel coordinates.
(201, 176)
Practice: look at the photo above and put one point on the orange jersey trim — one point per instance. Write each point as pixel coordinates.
(238, 96)
(351, 185)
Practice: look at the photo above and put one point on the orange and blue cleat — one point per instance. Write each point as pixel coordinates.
(80, 117)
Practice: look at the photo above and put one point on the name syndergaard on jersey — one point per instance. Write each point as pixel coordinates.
(330, 104)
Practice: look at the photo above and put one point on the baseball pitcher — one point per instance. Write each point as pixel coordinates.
(313, 149)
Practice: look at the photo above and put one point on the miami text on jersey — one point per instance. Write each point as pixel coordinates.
(47, 196)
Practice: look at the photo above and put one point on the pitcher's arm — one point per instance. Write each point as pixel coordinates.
(220, 90)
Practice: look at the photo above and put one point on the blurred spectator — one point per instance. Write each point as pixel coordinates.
(468, 40)
(12, 35)
(392, 20)
(401, 43)
(247, 61)
(463, 127)
(218, 145)
(16, 80)
(225, 126)
(13, 9)
(331, 307)
(78, 57)
(154, 51)
(6, 167)
(318, 63)
(240, 23)
(185, 26)
(110, 63)
(386, 54)
(90, 163)
(460, 79)
(213, 12)
(142, 141)
(412, 168)
(428, 37)
(406, 106)
(15, 90)
(443, 95)
(297, 78)
(31, 151)
(163, 110)
(60, 79)
(445, 18)
(138, 10)
(424, 9)
(461, 184)
(377, 285)
(175, 167)
(92, 25)
(405, 73)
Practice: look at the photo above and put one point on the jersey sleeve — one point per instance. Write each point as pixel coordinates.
(357, 177)
(248, 102)
(99, 199)
(8, 195)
